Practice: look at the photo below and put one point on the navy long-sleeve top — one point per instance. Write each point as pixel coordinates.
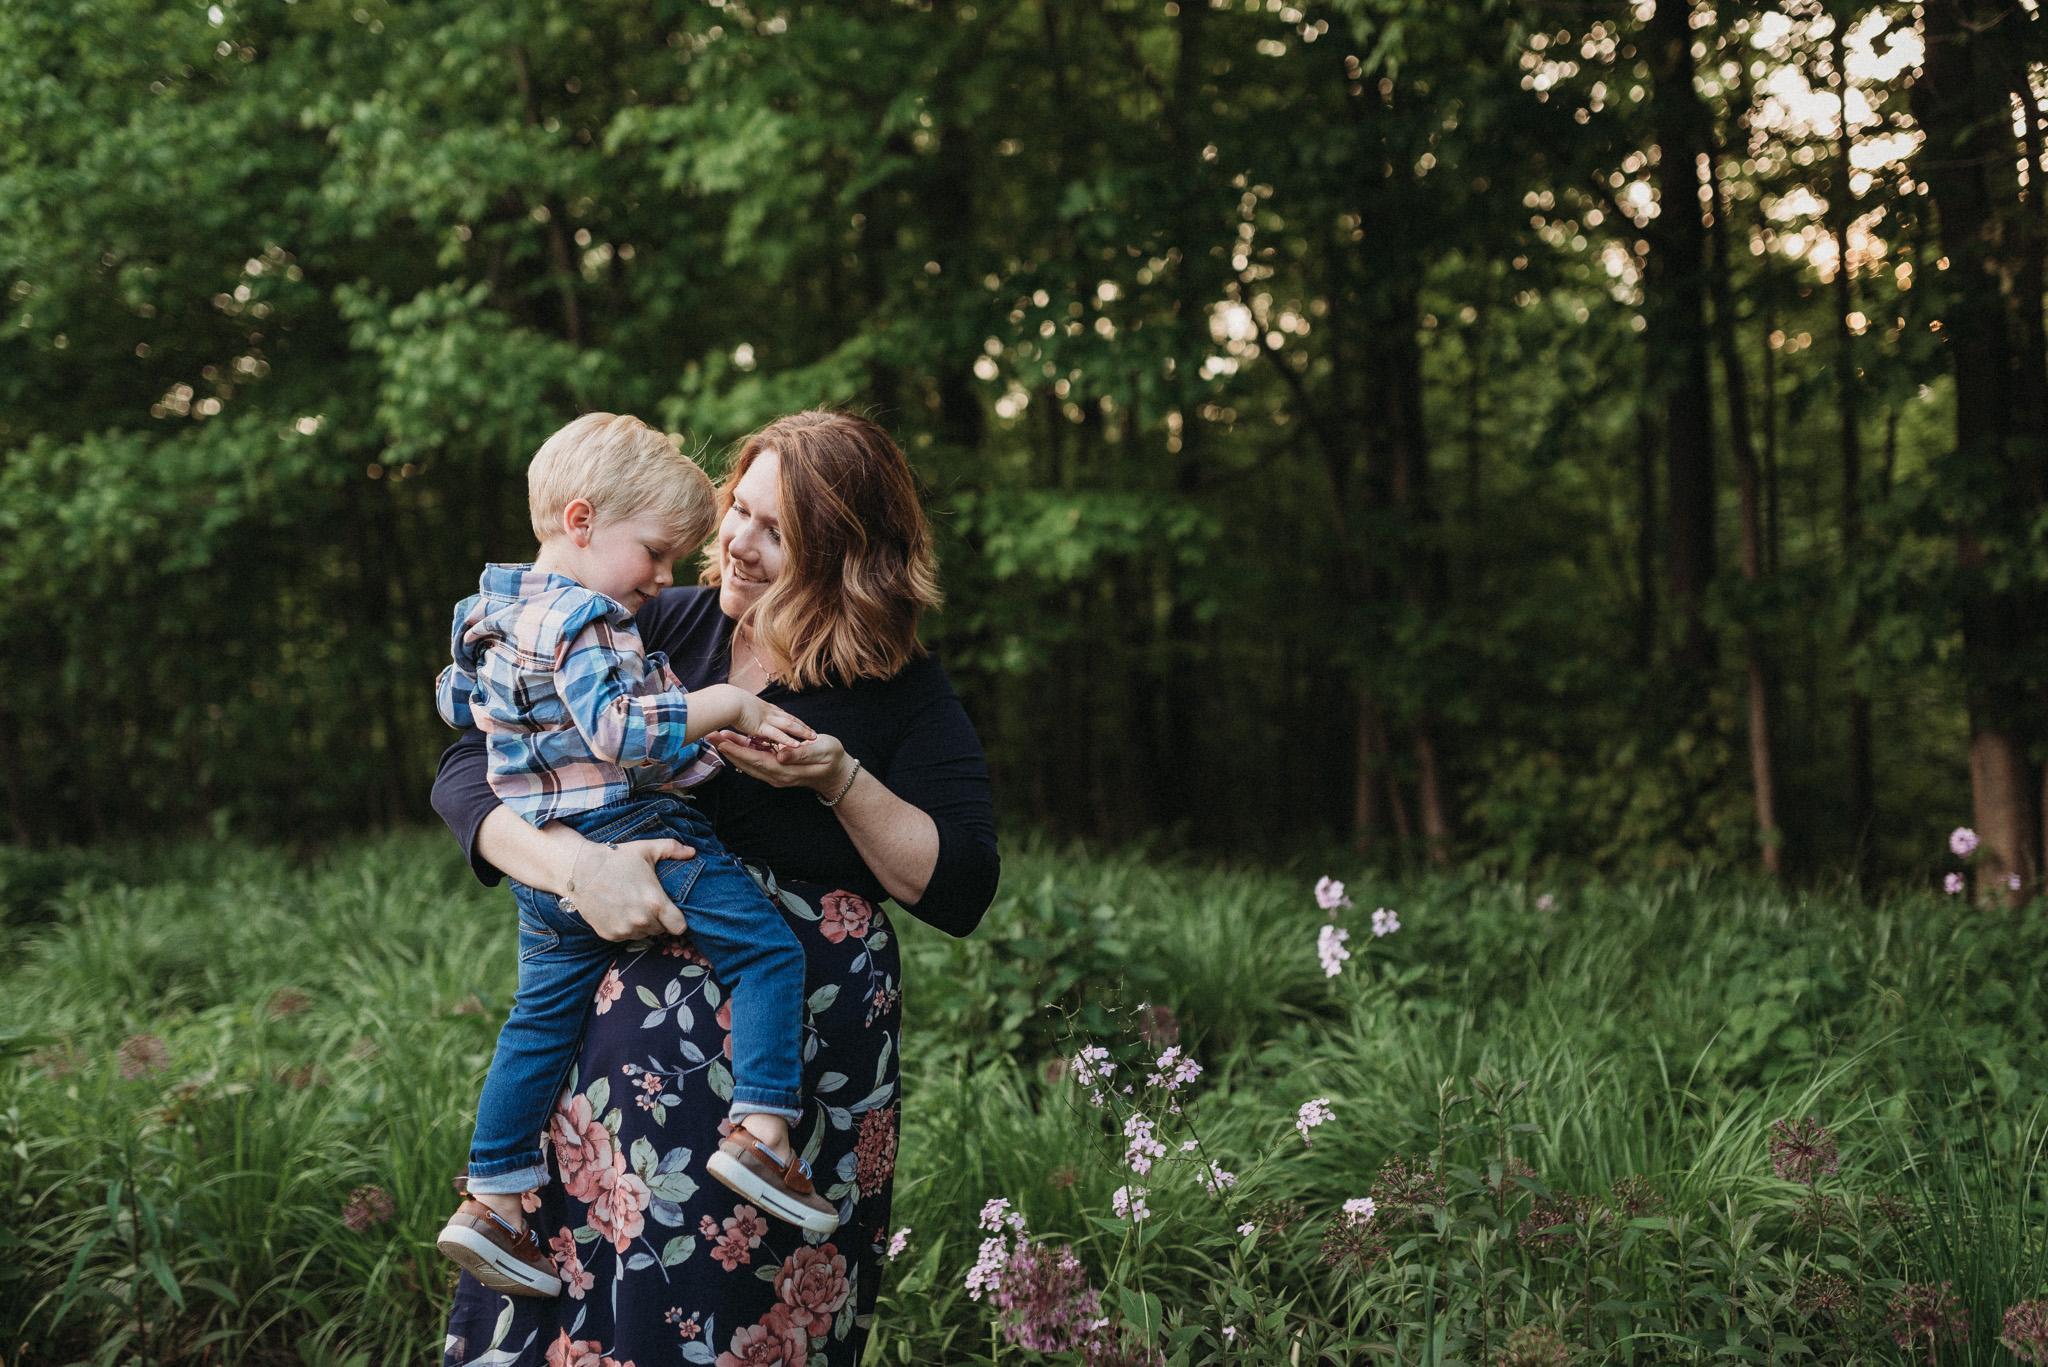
(910, 732)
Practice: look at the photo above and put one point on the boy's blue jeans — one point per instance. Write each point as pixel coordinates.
(561, 962)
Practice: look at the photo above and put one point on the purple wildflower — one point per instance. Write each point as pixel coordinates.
(1953, 885)
(1385, 922)
(1312, 1114)
(1407, 1190)
(1962, 842)
(1923, 1311)
(142, 1056)
(1144, 1147)
(1546, 902)
(1330, 949)
(1534, 1345)
(1129, 1203)
(367, 1206)
(1044, 1299)
(1158, 1026)
(2026, 1331)
(1827, 1296)
(1554, 1224)
(898, 1241)
(1330, 895)
(1803, 1151)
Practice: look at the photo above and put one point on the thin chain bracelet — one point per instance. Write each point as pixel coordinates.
(844, 789)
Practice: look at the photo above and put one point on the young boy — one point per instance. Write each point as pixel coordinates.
(587, 729)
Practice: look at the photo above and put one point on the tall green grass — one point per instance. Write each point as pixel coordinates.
(324, 1027)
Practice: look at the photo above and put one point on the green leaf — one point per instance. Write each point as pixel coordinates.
(599, 1095)
(1142, 1310)
(678, 1249)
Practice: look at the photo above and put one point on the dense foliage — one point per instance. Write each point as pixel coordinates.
(232, 1090)
(1509, 427)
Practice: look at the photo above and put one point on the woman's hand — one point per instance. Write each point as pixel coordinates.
(820, 763)
(617, 893)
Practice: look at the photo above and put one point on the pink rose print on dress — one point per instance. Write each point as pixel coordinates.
(617, 1214)
(575, 1280)
(724, 1019)
(583, 1149)
(875, 1151)
(845, 914)
(744, 1230)
(775, 1342)
(610, 990)
(813, 1285)
(568, 1352)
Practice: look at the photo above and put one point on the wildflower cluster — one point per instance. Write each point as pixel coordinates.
(1331, 938)
(1129, 1203)
(1144, 1146)
(1312, 1114)
(1353, 1241)
(1803, 1151)
(1041, 1294)
(2025, 1332)
(1921, 1312)
(367, 1206)
(1408, 1191)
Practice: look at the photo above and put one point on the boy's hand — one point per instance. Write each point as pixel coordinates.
(765, 721)
(820, 764)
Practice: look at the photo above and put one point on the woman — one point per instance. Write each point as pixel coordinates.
(822, 567)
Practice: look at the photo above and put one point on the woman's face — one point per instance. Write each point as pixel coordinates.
(750, 537)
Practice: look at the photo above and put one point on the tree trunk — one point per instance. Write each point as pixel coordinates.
(1429, 794)
(1969, 161)
(1842, 212)
(1762, 763)
(11, 772)
(1366, 817)
(1678, 341)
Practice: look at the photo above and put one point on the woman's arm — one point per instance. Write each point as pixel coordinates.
(897, 841)
(616, 890)
(926, 827)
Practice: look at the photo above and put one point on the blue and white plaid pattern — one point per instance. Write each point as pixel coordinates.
(577, 715)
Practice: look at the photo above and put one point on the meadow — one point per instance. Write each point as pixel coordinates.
(1671, 1120)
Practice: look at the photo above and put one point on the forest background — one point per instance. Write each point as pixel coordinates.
(1503, 429)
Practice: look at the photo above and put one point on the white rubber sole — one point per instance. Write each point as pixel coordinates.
(750, 1184)
(492, 1266)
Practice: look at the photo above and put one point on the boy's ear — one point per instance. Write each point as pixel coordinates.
(579, 520)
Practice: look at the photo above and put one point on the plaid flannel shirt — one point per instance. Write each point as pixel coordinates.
(576, 714)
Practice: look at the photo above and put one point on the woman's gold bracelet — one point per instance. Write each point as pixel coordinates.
(843, 789)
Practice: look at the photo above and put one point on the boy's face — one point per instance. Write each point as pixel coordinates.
(630, 560)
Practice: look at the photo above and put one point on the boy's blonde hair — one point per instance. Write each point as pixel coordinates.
(624, 468)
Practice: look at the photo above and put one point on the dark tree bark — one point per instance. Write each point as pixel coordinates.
(1763, 769)
(1989, 311)
(1678, 337)
(1848, 406)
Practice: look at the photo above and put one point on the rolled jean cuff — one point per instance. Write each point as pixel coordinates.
(532, 1175)
(746, 1103)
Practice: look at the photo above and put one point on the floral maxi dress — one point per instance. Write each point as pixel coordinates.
(661, 1263)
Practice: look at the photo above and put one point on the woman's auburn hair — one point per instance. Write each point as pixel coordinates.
(858, 569)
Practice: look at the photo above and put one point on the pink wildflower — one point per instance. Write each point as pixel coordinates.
(1045, 1300)
(1385, 922)
(1962, 842)
(1312, 1114)
(1129, 1203)
(1330, 895)
(1330, 949)
(1953, 885)
(1359, 1209)
(898, 1241)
